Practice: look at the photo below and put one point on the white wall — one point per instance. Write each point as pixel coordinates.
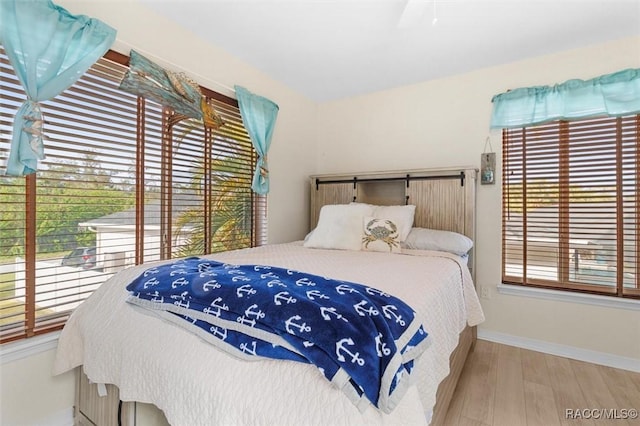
(445, 122)
(28, 394)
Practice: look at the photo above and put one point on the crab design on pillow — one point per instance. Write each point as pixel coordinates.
(379, 232)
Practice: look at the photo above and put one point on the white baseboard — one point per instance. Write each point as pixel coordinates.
(595, 357)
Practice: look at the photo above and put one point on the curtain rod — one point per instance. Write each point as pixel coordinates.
(406, 178)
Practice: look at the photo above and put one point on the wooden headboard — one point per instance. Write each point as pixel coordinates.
(444, 198)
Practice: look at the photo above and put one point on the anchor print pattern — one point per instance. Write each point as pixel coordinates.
(262, 311)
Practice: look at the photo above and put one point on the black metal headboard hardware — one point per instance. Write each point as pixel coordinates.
(408, 178)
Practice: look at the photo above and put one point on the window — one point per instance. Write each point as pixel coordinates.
(120, 186)
(571, 212)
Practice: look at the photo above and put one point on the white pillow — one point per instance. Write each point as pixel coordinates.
(434, 239)
(339, 227)
(402, 216)
(380, 235)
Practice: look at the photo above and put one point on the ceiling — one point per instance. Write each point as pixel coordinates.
(331, 49)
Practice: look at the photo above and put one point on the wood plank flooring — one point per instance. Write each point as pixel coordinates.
(507, 386)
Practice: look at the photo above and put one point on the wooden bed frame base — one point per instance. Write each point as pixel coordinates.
(457, 361)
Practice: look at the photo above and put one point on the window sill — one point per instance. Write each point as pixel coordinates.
(21, 349)
(569, 296)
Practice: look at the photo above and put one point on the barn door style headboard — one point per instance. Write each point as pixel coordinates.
(444, 198)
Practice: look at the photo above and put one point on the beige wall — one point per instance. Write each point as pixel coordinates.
(30, 395)
(445, 122)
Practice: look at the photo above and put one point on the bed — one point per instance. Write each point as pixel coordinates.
(148, 360)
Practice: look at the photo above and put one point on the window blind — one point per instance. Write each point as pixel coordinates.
(570, 205)
(122, 184)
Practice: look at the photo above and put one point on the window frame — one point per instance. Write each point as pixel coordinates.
(34, 326)
(565, 151)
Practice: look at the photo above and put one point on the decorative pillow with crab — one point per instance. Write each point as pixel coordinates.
(380, 235)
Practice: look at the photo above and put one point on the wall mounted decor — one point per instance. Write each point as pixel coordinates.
(487, 164)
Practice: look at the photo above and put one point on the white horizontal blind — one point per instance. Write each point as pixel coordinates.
(112, 193)
(570, 205)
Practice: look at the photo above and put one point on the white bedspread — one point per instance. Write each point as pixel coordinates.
(111, 339)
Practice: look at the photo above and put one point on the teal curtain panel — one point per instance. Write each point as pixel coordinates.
(259, 117)
(49, 48)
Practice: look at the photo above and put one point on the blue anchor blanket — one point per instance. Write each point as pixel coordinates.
(363, 340)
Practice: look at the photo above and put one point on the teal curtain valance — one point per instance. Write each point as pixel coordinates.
(259, 118)
(49, 48)
(611, 94)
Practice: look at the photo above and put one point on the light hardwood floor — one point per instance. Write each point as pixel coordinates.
(507, 386)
